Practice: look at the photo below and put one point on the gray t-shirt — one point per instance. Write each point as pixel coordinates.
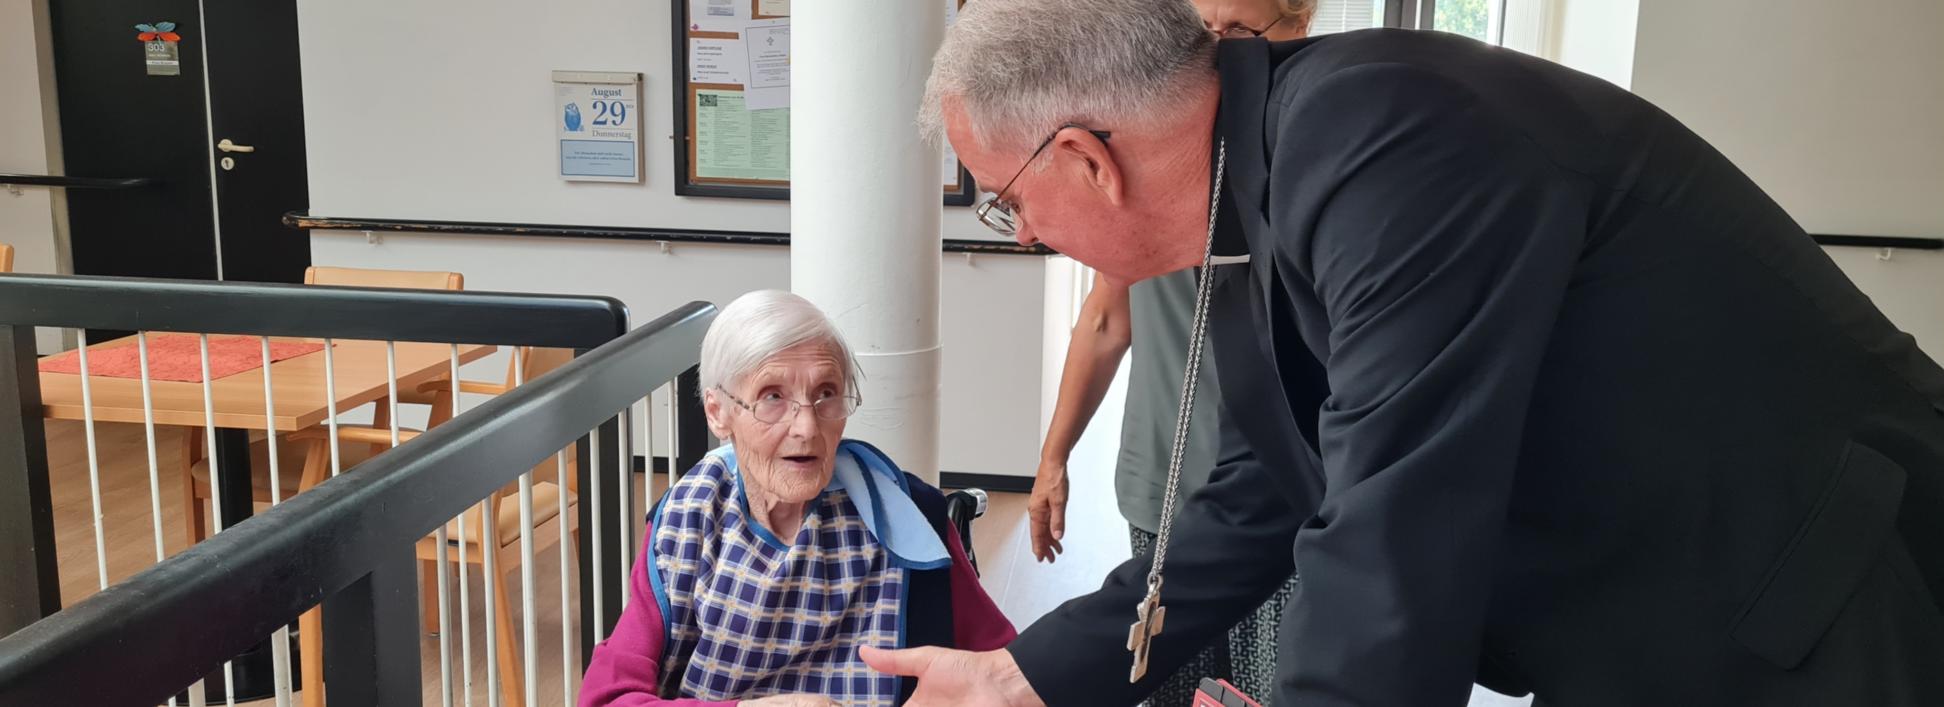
(1163, 310)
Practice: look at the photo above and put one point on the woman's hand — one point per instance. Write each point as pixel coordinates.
(789, 701)
(1047, 510)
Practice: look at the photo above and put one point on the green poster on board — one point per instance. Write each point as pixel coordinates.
(734, 143)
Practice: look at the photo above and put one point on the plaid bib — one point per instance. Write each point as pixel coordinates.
(749, 616)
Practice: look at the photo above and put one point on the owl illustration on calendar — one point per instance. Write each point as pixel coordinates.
(573, 119)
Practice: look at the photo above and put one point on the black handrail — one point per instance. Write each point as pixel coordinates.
(1856, 241)
(127, 303)
(349, 540)
(61, 182)
(301, 220)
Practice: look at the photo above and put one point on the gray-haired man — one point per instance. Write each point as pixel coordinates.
(1536, 388)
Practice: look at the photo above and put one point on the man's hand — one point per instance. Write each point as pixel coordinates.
(789, 701)
(1047, 510)
(949, 677)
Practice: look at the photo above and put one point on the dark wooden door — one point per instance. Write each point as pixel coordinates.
(204, 217)
(256, 100)
(117, 120)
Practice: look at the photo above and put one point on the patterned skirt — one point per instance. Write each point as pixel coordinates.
(1247, 660)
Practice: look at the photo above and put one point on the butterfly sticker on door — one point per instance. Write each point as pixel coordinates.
(159, 55)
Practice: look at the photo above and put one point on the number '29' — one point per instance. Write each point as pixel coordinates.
(610, 113)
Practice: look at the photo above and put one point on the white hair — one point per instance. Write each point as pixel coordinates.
(1021, 68)
(762, 324)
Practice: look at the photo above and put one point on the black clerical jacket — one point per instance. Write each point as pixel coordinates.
(1537, 390)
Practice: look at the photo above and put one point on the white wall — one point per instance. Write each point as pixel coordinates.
(442, 110)
(1593, 36)
(1835, 108)
(27, 128)
(992, 339)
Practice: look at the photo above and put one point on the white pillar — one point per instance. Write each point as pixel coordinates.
(865, 208)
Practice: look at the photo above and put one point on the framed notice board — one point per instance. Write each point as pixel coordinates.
(732, 102)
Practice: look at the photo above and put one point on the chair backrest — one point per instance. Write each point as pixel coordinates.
(372, 277)
(6, 258)
(537, 362)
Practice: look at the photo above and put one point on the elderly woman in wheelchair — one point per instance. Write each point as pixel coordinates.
(776, 558)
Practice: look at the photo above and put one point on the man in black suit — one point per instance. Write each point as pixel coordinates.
(1535, 388)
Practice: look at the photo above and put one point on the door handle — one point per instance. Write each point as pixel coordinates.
(228, 146)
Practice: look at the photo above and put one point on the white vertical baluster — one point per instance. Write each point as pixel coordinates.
(94, 463)
(566, 622)
(215, 484)
(330, 406)
(445, 571)
(594, 492)
(674, 405)
(465, 570)
(647, 467)
(489, 546)
(624, 490)
(445, 617)
(391, 388)
(155, 469)
(280, 641)
(527, 614)
(487, 549)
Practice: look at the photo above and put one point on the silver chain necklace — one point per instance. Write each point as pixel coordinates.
(1149, 614)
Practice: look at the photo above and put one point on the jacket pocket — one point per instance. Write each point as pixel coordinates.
(1830, 555)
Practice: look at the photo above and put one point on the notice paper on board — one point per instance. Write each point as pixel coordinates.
(718, 61)
(597, 123)
(768, 46)
(718, 15)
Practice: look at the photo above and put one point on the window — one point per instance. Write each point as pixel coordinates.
(1513, 24)
(1472, 18)
(1345, 15)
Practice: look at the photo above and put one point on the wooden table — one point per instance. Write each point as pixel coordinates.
(299, 395)
(296, 383)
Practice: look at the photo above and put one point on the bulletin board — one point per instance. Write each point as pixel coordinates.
(732, 93)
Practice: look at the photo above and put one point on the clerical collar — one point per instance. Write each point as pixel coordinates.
(1229, 246)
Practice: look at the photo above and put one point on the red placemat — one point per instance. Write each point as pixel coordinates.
(177, 357)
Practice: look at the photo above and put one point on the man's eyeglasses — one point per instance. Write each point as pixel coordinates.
(1001, 215)
(1237, 31)
(772, 409)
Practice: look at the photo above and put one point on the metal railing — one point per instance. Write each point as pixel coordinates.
(350, 543)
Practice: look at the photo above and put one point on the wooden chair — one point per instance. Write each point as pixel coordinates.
(6, 258)
(397, 279)
(304, 456)
(195, 468)
(501, 536)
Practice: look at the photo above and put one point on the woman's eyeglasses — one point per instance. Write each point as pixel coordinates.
(1001, 215)
(1238, 31)
(772, 409)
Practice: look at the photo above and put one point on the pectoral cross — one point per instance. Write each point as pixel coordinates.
(1141, 634)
